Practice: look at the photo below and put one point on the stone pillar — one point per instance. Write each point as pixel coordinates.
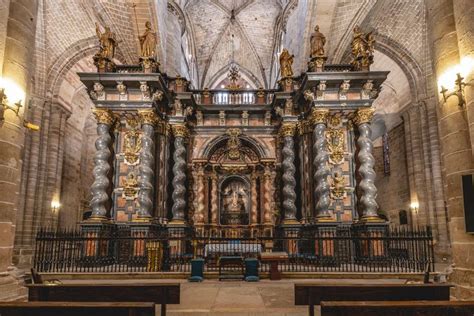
(463, 13)
(214, 199)
(180, 133)
(366, 165)
(254, 208)
(287, 132)
(456, 143)
(17, 68)
(100, 187)
(148, 120)
(322, 191)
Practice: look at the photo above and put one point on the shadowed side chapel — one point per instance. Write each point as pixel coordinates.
(237, 156)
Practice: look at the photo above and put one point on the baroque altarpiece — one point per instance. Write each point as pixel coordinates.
(234, 162)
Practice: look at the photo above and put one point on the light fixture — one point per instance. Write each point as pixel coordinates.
(55, 205)
(10, 90)
(414, 206)
(453, 80)
(459, 92)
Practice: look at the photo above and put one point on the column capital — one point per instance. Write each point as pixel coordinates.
(104, 116)
(288, 129)
(363, 116)
(180, 130)
(319, 116)
(148, 117)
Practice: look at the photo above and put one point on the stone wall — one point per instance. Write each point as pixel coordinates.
(393, 189)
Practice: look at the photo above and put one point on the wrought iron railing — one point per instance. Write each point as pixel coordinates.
(160, 249)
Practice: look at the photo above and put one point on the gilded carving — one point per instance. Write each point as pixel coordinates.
(319, 116)
(318, 40)
(338, 187)
(180, 130)
(130, 187)
(233, 144)
(145, 89)
(148, 42)
(362, 49)
(103, 116)
(148, 117)
(363, 116)
(107, 42)
(335, 142)
(288, 129)
(132, 143)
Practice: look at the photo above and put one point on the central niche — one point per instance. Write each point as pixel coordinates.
(234, 200)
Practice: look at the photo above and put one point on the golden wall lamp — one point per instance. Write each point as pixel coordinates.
(459, 92)
(5, 105)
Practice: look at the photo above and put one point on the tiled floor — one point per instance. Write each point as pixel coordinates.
(238, 298)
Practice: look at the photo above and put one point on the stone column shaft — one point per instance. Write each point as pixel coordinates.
(179, 172)
(322, 190)
(289, 170)
(147, 160)
(366, 167)
(254, 208)
(214, 199)
(200, 194)
(267, 196)
(100, 187)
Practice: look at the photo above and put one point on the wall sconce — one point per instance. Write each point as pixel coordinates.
(5, 105)
(459, 92)
(55, 205)
(414, 206)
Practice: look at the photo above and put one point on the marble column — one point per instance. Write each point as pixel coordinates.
(448, 25)
(148, 120)
(267, 195)
(366, 165)
(322, 190)
(200, 194)
(180, 133)
(214, 199)
(254, 208)
(287, 132)
(101, 184)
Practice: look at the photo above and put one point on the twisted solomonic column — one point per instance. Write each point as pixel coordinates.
(200, 194)
(148, 120)
(287, 131)
(214, 198)
(254, 207)
(101, 184)
(267, 195)
(322, 191)
(180, 133)
(366, 168)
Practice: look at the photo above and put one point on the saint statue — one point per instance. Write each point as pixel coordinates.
(286, 62)
(107, 42)
(317, 43)
(358, 43)
(148, 42)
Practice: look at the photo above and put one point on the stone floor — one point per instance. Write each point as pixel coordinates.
(238, 298)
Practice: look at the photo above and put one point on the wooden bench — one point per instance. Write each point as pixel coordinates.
(312, 294)
(163, 294)
(76, 309)
(405, 308)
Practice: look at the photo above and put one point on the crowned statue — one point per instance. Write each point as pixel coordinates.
(286, 63)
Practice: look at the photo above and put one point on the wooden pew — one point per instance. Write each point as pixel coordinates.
(405, 308)
(76, 309)
(312, 294)
(165, 293)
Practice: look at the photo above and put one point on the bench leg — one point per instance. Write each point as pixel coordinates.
(163, 309)
(311, 310)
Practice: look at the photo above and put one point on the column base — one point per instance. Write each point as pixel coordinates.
(370, 242)
(323, 243)
(316, 64)
(149, 65)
